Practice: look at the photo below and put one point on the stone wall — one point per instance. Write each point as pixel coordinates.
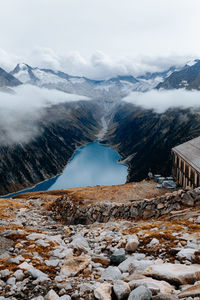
(80, 212)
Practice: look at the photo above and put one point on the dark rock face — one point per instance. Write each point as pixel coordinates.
(63, 128)
(8, 80)
(145, 138)
(188, 77)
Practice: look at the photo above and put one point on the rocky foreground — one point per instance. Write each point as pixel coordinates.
(43, 258)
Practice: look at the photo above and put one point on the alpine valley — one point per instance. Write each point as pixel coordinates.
(143, 137)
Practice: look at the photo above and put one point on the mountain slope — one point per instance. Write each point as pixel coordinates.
(112, 89)
(145, 138)
(188, 77)
(62, 129)
(7, 79)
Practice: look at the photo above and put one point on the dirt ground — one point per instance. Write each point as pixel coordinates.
(115, 193)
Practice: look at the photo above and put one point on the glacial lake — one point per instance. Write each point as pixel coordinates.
(92, 164)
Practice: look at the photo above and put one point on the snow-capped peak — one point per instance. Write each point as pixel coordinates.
(191, 62)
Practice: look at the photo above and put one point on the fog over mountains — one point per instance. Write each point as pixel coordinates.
(46, 114)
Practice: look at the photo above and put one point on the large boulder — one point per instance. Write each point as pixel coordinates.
(174, 273)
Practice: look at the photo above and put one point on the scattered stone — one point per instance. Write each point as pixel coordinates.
(132, 265)
(174, 273)
(37, 274)
(111, 274)
(80, 243)
(103, 291)
(101, 260)
(186, 253)
(140, 293)
(193, 291)
(132, 243)
(74, 265)
(121, 289)
(19, 275)
(4, 273)
(155, 286)
(25, 266)
(51, 296)
(153, 242)
(162, 296)
(118, 257)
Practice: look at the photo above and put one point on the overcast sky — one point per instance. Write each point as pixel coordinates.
(95, 37)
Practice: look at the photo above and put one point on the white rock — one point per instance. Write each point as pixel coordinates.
(153, 242)
(16, 260)
(36, 236)
(11, 281)
(62, 252)
(111, 274)
(121, 289)
(155, 286)
(80, 243)
(25, 266)
(132, 265)
(65, 297)
(103, 292)
(51, 296)
(74, 265)
(174, 273)
(132, 243)
(140, 293)
(193, 291)
(186, 253)
(52, 262)
(19, 275)
(37, 274)
(4, 273)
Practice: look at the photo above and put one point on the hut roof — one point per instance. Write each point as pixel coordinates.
(190, 152)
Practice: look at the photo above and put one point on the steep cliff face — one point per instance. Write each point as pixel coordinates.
(62, 129)
(145, 138)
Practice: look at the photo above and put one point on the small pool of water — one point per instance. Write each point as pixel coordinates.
(92, 164)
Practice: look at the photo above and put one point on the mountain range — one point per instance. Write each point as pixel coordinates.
(143, 137)
(114, 88)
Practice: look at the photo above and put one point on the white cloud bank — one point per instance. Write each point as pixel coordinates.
(20, 112)
(97, 66)
(160, 101)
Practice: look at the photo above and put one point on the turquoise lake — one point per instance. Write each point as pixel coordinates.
(92, 164)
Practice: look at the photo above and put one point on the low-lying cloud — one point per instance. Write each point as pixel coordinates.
(20, 112)
(98, 65)
(160, 101)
